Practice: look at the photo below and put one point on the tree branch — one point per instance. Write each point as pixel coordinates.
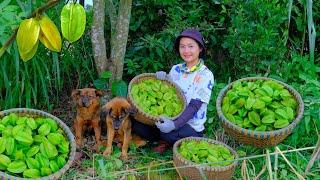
(122, 28)
(40, 10)
(112, 14)
(113, 23)
(97, 36)
(314, 157)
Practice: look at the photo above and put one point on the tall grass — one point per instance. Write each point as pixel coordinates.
(39, 82)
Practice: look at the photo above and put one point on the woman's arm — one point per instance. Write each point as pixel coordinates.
(188, 113)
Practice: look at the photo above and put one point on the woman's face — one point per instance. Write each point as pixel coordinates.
(189, 50)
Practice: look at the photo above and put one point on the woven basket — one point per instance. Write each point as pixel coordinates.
(142, 116)
(191, 170)
(68, 133)
(256, 138)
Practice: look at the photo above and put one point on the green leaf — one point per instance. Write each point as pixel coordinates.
(211, 107)
(118, 163)
(100, 83)
(307, 124)
(106, 75)
(4, 4)
(102, 168)
(210, 120)
(119, 88)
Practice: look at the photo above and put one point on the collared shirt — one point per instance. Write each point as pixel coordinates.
(196, 84)
(183, 67)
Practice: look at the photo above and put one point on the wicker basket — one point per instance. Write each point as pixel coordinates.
(70, 136)
(142, 116)
(191, 170)
(255, 138)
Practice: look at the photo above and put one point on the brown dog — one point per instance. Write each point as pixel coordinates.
(119, 126)
(88, 113)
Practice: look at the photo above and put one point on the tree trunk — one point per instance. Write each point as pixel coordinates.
(119, 37)
(111, 10)
(97, 36)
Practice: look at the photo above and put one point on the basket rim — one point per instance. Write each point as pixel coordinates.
(153, 75)
(261, 134)
(62, 125)
(205, 167)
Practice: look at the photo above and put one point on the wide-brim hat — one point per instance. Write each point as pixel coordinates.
(193, 34)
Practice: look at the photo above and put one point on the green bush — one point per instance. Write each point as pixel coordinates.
(257, 37)
(150, 44)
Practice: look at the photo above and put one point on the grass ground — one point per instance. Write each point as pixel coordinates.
(143, 163)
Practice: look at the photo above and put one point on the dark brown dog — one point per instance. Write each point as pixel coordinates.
(88, 113)
(119, 126)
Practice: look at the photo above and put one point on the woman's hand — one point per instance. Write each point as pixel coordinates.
(165, 125)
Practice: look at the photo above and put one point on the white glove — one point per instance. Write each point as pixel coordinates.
(165, 125)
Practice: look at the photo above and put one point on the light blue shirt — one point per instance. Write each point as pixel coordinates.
(196, 85)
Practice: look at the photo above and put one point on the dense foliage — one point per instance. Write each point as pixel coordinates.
(40, 82)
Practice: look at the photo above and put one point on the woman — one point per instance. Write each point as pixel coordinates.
(196, 82)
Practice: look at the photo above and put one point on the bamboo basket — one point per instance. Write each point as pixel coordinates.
(142, 116)
(256, 138)
(62, 125)
(190, 170)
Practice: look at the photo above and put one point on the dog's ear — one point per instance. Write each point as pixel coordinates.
(99, 92)
(109, 111)
(75, 93)
(105, 112)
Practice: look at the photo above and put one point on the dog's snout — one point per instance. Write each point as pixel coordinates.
(85, 101)
(116, 124)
